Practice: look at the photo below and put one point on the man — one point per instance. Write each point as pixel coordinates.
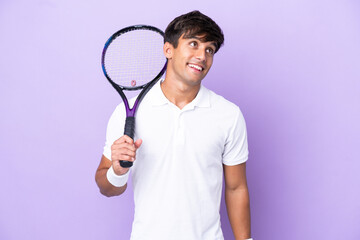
(187, 137)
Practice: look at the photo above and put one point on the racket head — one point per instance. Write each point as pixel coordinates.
(133, 57)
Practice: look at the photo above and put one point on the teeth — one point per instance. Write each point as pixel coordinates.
(195, 66)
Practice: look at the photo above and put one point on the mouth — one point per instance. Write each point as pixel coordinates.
(196, 67)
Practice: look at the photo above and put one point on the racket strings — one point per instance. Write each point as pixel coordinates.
(135, 58)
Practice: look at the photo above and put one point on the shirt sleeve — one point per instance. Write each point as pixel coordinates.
(115, 129)
(236, 146)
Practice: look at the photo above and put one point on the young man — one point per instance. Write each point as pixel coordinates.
(187, 138)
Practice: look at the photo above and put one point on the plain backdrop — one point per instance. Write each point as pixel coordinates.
(292, 66)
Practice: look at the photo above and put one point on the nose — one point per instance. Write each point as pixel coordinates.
(201, 54)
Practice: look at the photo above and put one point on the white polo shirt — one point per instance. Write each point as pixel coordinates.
(178, 173)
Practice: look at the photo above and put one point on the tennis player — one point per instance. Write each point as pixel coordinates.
(187, 139)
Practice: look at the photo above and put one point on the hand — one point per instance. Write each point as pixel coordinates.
(123, 149)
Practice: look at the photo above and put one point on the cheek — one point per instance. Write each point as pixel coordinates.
(184, 52)
(209, 63)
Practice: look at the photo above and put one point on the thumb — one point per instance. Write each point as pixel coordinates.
(138, 143)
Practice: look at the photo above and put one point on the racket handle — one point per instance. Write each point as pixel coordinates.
(129, 131)
(125, 164)
(129, 127)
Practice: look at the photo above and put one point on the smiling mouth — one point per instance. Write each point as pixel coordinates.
(197, 67)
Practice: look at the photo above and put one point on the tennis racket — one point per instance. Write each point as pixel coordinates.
(133, 59)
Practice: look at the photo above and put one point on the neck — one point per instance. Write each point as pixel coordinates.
(178, 93)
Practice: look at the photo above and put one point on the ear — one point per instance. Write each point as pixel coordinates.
(168, 50)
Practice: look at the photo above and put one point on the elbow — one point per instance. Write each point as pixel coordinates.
(111, 191)
(106, 188)
(103, 190)
(106, 193)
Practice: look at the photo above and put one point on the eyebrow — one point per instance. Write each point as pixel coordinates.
(197, 38)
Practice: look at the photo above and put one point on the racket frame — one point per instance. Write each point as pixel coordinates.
(131, 111)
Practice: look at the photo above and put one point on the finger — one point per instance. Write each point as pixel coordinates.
(128, 139)
(123, 139)
(118, 157)
(123, 151)
(123, 158)
(138, 143)
(120, 146)
(120, 140)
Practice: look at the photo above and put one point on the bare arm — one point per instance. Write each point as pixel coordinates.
(237, 200)
(105, 187)
(122, 149)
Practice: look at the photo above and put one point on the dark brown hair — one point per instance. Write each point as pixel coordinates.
(194, 24)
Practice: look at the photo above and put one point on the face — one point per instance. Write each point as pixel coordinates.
(190, 61)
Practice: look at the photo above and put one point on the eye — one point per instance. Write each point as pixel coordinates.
(210, 50)
(193, 44)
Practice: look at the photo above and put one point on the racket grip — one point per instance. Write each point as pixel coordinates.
(125, 164)
(129, 131)
(129, 127)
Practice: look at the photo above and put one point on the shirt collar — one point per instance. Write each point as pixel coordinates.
(158, 97)
(202, 99)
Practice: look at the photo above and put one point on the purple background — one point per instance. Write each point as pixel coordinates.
(293, 67)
